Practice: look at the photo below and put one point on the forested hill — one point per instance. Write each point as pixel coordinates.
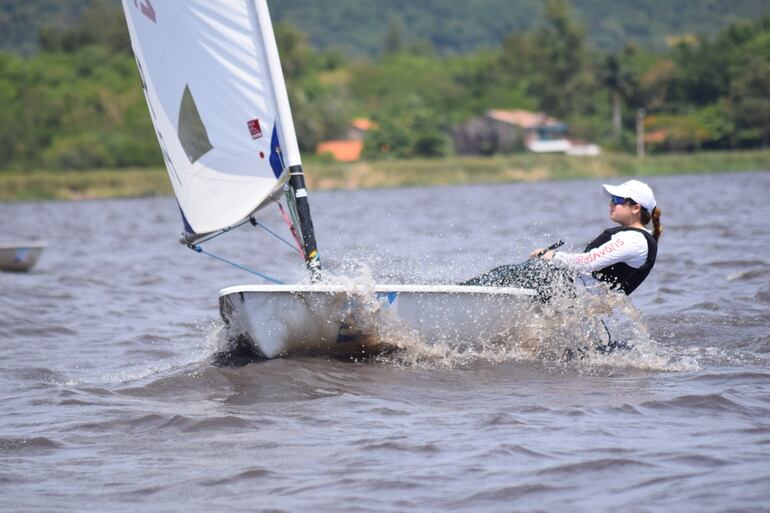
(21, 21)
(451, 26)
(459, 26)
(78, 103)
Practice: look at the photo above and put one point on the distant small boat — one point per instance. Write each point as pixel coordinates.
(20, 257)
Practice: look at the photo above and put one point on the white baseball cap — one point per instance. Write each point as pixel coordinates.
(638, 191)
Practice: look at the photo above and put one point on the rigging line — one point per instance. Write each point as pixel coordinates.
(254, 222)
(202, 251)
(292, 230)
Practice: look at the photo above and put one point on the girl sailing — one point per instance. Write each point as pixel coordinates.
(622, 256)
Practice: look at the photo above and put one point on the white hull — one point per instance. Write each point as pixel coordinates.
(20, 257)
(281, 320)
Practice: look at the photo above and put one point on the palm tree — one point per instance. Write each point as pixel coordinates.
(622, 86)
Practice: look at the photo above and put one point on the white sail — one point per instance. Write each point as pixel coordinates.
(218, 102)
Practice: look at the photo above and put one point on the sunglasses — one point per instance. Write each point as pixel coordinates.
(617, 200)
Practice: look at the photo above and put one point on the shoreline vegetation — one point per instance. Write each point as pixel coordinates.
(78, 102)
(323, 175)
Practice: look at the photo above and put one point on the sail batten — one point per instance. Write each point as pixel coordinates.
(214, 104)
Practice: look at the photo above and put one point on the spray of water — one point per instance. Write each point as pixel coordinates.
(583, 329)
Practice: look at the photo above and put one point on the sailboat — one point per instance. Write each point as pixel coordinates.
(213, 82)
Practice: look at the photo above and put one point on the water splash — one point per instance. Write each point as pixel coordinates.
(572, 332)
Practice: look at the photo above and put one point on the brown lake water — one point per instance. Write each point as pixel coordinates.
(112, 397)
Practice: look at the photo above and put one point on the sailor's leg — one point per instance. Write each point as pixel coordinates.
(503, 276)
(542, 276)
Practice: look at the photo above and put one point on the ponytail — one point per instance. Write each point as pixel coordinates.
(657, 229)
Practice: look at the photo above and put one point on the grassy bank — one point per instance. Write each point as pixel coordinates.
(525, 167)
(395, 173)
(123, 183)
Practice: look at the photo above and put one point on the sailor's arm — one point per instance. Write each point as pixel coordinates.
(622, 247)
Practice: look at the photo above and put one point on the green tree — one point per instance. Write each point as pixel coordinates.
(102, 23)
(565, 84)
(320, 110)
(553, 63)
(750, 104)
(622, 86)
(296, 54)
(394, 38)
(417, 132)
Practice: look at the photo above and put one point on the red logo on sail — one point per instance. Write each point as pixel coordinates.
(254, 129)
(146, 8)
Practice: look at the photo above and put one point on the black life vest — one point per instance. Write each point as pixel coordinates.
(622, 275)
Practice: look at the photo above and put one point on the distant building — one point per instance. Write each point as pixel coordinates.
(359, 127)
(350, 148)
(505, 131)
(510, 131)
(341, 150)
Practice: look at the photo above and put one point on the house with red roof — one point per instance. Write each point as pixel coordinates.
(515, 130)
(350, 148)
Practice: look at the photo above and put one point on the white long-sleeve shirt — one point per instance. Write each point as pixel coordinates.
(629, 247)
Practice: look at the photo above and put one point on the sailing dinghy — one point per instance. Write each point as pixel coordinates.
(212, 78)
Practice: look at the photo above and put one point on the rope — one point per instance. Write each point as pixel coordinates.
(292, 229)
(271, 232)
(200, 250)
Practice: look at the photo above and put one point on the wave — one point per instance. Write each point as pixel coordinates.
(749, 274)
(700, 402)
(599, 465)
(22, 445)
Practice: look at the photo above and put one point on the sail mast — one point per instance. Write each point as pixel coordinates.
(288, 137)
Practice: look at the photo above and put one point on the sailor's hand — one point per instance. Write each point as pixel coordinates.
(536, 253)
(542, 253)
(548, 255)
